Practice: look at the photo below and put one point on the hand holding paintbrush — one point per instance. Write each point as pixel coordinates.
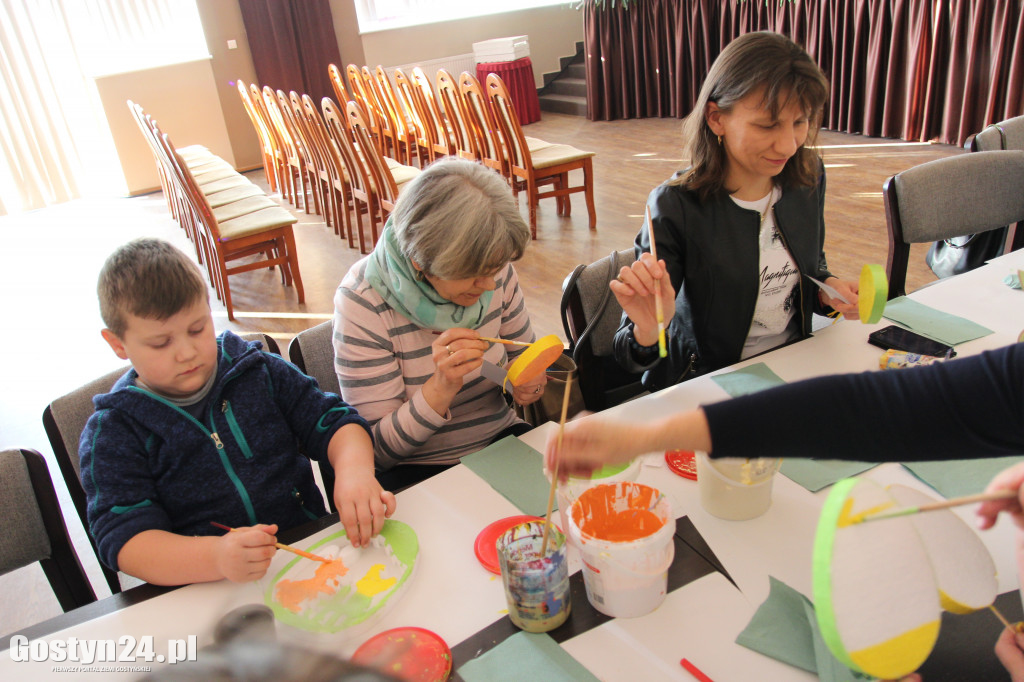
(633, 289)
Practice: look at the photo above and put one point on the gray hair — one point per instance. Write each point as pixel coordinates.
(458, 219)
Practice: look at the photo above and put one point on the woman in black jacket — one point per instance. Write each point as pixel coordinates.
(741, 232)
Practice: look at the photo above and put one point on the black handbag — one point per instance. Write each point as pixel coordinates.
(957, 255)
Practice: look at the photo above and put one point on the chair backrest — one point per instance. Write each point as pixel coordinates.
(64, 420)
(590, 317)
(407, 103)
(365, 100)
(33, 528)
(458, 117)
(442, 138)
(508, 124)
(312, 351)
(338, 83)
(1008, 134)
(384, 181)
(483, 125)
(947, 198)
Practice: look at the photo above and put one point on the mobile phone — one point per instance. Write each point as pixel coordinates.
(899, 338)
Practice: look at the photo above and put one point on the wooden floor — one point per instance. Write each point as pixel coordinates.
(51, 338)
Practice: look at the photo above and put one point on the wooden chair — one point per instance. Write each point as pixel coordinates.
(64, 420)
(551, 164)
(318, 170)
(378, 106)
(441, 136)
(34, 529)
(296, 168)
(458, 116)
(364, 197)
(590, 317)
(483, 125)
(272, 161)
(365, 99)
(965, 194)
(418, 123)
(266, 232)
(339, 192)
(341, 93)
(386, 176)
(307, 161)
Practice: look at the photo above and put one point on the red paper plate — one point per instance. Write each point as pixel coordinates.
(682, 462)
(485, 546)
(411, 654)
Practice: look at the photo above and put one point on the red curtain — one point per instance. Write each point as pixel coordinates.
(292, 43)
(913, 69)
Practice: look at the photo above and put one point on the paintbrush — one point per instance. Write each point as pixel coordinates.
(558, 458)
(658, 310)
(1001, 617)
(491, 339)
(955, 502)
(280, 545)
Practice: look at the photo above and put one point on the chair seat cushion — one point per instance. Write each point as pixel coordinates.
(256, 222)
(536, 144)
(231, 194)
(242, 207)
(236, 180)
(403, 174)
(204, 177)
(557, 154)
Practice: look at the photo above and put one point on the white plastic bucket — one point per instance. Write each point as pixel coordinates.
(733, 496)
(625, 577)
(568, 492)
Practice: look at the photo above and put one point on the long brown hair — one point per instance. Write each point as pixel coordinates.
(783, 70)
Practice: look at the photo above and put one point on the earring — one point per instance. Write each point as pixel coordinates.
(419, 275)
(719, 140)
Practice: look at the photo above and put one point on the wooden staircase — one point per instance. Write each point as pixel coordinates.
(565, 92)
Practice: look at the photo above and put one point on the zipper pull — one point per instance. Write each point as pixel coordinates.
(224, 407)
(216, 440)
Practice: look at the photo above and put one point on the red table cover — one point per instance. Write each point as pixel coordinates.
(518, 77)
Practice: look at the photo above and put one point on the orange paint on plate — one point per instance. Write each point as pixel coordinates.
(291, 593)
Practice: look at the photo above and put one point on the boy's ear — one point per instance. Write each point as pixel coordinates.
(115, 344)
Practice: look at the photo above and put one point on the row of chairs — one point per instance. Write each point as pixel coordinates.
(329, 160)
(416, 124)
(226, 216)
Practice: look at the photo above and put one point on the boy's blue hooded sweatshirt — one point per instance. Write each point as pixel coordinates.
(149, 465)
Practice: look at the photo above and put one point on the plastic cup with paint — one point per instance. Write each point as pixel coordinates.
(536, 587)
(569, 491)
(735, 489)
(624, 533)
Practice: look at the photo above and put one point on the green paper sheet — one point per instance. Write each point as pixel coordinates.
(516, 471)
(935, 324)
(785, 628)
(815, 474)
(958, 477)
(750, 379)
(526, 656)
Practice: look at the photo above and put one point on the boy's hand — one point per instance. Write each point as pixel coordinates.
(1008, 479)
(1010, 652)
(362, 505)
(244, 554)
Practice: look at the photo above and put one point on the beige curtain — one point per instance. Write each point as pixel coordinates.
(55, 144)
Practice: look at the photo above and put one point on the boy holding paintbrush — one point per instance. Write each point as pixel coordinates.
(208, 428)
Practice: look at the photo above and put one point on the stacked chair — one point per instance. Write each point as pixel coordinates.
(226, 216)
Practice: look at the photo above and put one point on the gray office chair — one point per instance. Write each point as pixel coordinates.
(590, 317)
(33, 528)
(958, 195)
(1008, 134)
(312, 351)
(64, 420)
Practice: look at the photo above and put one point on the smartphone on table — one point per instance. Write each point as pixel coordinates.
(898, 338)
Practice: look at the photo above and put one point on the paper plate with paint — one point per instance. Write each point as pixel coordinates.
(875, 592)
(410, 653)
(486, 548)
(355, 586)
(964, 570)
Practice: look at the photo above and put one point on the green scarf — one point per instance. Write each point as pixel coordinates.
(391, 274)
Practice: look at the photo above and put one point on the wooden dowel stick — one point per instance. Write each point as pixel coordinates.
(658, 309)
(505, 341)
(1001, 617)
(945, 504)
(558, 459)
(280, 545)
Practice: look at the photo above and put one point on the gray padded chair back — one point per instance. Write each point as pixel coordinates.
(33, 528)
(1008, 134)
(950, 197)
(312, 351)
(601, 311)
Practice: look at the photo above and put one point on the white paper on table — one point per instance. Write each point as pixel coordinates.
(829, 290)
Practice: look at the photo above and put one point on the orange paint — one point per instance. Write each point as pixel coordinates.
(617, 513)
(291, 593)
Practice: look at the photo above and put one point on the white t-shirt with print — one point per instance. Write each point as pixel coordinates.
(774, 320)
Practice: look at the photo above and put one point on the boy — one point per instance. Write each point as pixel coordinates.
(206, 428)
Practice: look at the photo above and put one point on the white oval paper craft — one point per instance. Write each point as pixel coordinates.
(875, 593)
(353, 589)
(964, 570)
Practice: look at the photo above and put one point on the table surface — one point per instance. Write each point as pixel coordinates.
(453, 595)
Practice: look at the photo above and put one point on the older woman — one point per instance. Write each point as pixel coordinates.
(409, 317)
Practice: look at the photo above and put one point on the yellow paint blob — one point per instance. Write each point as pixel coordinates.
(291, 593)
(847, 518)
(371, 583)
(953, 606)
(899, 656)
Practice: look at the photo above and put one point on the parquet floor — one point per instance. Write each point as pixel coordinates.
(51, 342)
